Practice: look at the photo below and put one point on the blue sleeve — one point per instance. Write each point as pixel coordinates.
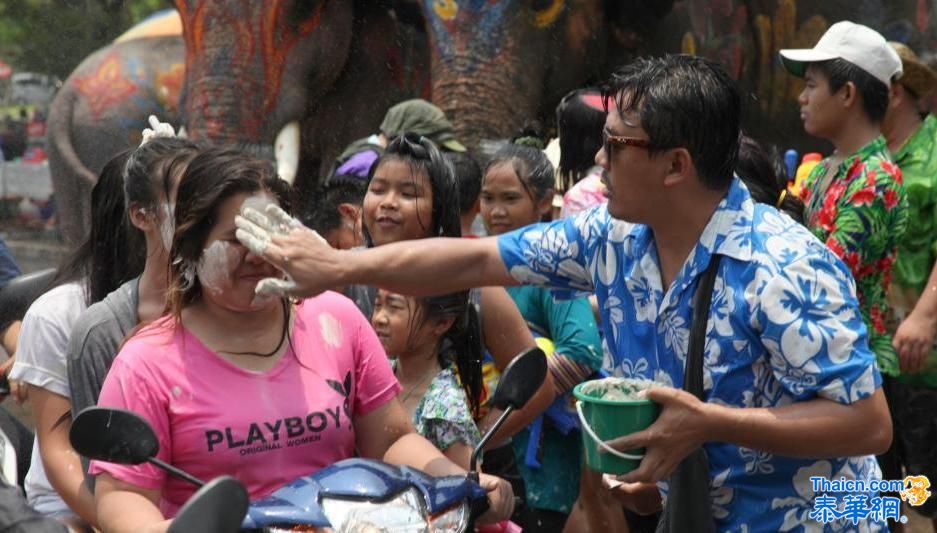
(814, 333)
(573, 330)
(8, 267)
(556, 254)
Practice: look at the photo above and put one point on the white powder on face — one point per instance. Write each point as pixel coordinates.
(617, 388)
(214, 267)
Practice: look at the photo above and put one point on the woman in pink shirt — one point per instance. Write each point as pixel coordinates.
(256, 387)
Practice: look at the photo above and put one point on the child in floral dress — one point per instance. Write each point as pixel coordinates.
(438, 364)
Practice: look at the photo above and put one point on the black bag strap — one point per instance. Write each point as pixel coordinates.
(702, 299)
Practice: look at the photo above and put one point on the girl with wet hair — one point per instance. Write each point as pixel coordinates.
(517, 190)
(437, 353)
(580, 119)
(112, 254)
(412, 194)
(278, 389)
(764, 175)
(151, 177)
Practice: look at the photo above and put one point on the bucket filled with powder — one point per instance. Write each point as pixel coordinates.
(610, 408)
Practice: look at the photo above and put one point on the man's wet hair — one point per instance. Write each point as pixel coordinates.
(874, 93)
(684, 101)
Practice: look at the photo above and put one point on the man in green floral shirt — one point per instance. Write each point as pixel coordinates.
(855, 201)
(912, 139)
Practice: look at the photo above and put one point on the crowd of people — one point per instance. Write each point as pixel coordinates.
(208, 303)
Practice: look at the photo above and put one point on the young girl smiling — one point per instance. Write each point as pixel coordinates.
(437, 364)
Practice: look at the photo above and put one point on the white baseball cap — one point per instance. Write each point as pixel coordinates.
(860, 45)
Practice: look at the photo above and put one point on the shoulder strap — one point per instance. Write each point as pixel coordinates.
(693, 372)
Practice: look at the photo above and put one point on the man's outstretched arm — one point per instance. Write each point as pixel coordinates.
(419, 268)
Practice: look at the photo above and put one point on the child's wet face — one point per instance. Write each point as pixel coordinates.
(398, 204)
(391, 320)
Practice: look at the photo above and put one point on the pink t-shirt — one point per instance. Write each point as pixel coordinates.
(266, 429)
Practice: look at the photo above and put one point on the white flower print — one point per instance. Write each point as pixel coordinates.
(720, 494)
(801, 504)
(645, 299)
(722, 307)
(676, 335)
(773, 223)
(756, 461)
(635, 368)
(806, 302)
(525, 275)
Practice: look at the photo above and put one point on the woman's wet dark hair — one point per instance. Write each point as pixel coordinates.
(147, 171)
(580, 118)
(323, 215)
(530, 164)
(764, 174)
(422, 155)
(211, 177)
(462, 344)
(114, 251)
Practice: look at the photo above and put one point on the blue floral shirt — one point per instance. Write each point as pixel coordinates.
(784, 327)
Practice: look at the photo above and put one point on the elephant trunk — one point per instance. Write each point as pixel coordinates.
(226, 109)
(484, 101)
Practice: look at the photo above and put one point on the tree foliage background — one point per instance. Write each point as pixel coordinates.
(53, 36)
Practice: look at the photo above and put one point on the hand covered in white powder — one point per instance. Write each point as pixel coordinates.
(287, 244)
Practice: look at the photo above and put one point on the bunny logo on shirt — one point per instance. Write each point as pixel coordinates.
(345, 390)
(288, 431)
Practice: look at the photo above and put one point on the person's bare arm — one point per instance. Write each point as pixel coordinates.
(685, 423)
(914, 338)
(419, 268)
(62, 464)
(459, 453)
(123, 507)
(9, 336)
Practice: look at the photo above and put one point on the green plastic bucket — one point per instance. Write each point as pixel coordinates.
(604, 420)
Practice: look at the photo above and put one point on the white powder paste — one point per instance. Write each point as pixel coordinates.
(620, 389)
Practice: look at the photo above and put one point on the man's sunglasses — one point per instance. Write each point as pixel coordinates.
(622, 140)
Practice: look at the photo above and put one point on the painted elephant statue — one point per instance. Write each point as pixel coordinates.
(745, 36)
(102, 107)
(497, 65)
(290, 79)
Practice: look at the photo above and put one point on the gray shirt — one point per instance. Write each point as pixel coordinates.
(96, 338)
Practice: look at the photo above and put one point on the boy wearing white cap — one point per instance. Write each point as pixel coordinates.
(855, 201)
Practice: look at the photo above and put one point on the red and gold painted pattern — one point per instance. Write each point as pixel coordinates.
(106, 86)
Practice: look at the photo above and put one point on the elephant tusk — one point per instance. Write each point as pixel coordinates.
(286, 151)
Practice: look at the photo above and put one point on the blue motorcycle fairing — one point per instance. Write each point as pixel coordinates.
(364, 479)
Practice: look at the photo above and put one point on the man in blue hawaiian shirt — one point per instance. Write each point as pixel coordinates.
(791, 386)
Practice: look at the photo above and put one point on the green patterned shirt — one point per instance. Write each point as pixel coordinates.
(917, 250)
(860, 212)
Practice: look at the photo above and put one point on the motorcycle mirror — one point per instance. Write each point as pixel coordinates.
(113, 435)
(17, 295)
(521, 379)
(120, 436)
(218, 507)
